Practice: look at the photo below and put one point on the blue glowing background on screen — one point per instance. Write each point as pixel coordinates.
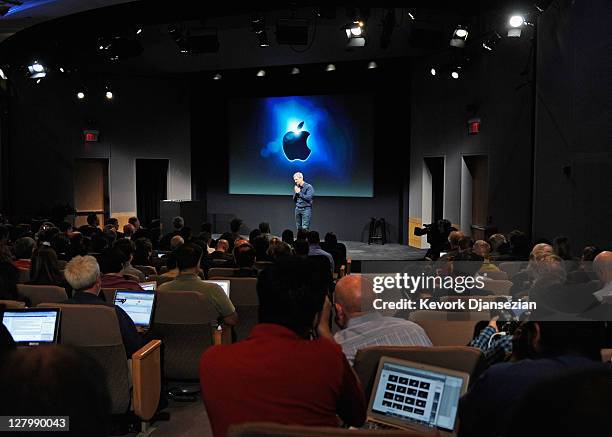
(327, 138)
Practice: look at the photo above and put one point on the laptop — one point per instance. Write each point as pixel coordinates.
(148, 286)
(32, 326)
(223, 283)
(139, 305)
(415, 396)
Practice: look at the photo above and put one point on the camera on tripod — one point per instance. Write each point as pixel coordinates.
(437, 236)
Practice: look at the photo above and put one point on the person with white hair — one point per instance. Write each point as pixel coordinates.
(83, 275)
(602, 264)
(302, 196)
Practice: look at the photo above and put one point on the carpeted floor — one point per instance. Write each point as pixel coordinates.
(358, 251)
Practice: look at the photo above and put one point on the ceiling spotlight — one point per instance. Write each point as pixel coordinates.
(2, 75)
(108, 94)
(61, 69)
(139, 31)
(38, 80)
(330, 67)
(261, 73)
(37, 70)
(217, 76)
(355, 32)
(516, 21)
(80, 95)
(295, 70)
(372, 65)
(455, 73)
(459, 37)
(433, 71)
(411, 15)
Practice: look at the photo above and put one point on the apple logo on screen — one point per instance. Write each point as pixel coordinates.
(294, 144)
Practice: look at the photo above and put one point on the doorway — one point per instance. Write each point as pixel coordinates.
(90, 189)
(474, 195)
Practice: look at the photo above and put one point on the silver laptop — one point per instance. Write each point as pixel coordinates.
(32, 326)
(223, 283)
(139, 305)
(409, 395)
(148, 286)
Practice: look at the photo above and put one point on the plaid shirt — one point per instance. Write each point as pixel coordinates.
(489, 347)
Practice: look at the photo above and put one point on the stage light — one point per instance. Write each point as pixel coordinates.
(139, 31)
(261, 73)
(433, 71)
(37, 70)
(217, 76)
(61, 69)
(80, 95)
(355, 33)
(2, 75)
(455, 74)
(330, 67)
(108, 94)
(38, 80)
(295, 70)
(459, 37)
(411, 15)
(372, 65)
(516, 21)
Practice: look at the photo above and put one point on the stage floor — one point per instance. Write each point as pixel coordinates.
(358, 251)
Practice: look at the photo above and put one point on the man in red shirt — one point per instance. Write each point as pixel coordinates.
(278, 374)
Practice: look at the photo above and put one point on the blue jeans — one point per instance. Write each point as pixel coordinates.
(302, 217)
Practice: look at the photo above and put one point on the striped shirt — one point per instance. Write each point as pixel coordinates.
(374, 329)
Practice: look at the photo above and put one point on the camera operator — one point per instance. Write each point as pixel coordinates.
(437, 237)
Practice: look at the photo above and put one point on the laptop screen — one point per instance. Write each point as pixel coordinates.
(137, 304)
(417, 393)
(223, 283)
(148, 286)
(32, 326)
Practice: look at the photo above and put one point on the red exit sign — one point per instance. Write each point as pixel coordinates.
(91, 136)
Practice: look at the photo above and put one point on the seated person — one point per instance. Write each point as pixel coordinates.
(287, 237)
(483, 249)
(9, 277)
(541, 350)
(23, 249)
(128, 248)
(603, 269)
(221, 251)
(244, 257)
(337, 250)
(45, 270)
(188, 258)
(585, 271)
(279, 374)
(83, 275)
(315, 248)
(261, 245)
(362, 326)
(112, 262)
(56, 380)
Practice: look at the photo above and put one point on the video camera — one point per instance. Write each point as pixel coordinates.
(437, 236)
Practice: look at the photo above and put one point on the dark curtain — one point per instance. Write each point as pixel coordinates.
(151, 187)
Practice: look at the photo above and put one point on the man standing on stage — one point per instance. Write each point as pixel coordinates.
(303, 193)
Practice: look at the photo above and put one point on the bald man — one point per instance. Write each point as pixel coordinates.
(362, 326)
(602, 264)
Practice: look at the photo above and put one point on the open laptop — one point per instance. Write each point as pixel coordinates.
(409, 395)
(139, 305)
(223, 283)
(148, 286)
(32, 326)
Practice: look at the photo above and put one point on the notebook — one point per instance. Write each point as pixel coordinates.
(139, 305)
(32, 326)
(409, 395)
(223, 283)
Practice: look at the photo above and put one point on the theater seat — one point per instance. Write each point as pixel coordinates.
(243, 294)
(277, 430)
(23, 275)
(43, 293)
(449, 328)
(94, 329)
(461, 358)
(12, 304)
(220, 272)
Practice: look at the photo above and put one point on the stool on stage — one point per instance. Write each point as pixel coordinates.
(378, 230)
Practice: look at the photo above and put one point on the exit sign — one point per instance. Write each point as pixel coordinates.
(91, 136)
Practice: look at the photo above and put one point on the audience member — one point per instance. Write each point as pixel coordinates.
(113, 223)
(9, 277)
(603, 268)
(315, 248)
(301, 248)
(128, 231)
(45, 270)
(362, 326)
(112, 263)
(541, 351)
(177, 225)
(143, 251)
(482, 249)
(128, 248)
(61, 244)
(287, 237)
(83, 275)
(302, 234)
(335, 249)
(254, 234)
(188, 258)
(22, 250)
(56, 381)
(278, 374)
(233, 234)
(261, 245)
(221, 252)
(244, 258)
(585, 271)
(280, 250)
